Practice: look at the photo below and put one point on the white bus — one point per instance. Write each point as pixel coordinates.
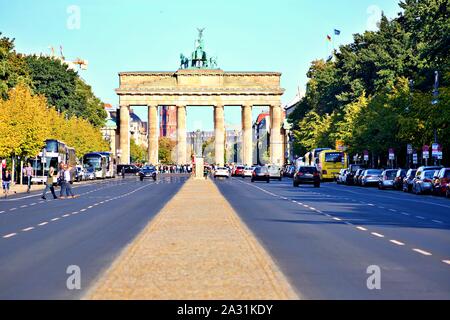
(110, 165)
(95, 163)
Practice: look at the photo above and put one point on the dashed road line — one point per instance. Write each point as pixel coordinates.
(43, 223)
(446, 261)
(420, 217)
(379, 235)
(9, 235)
(425, 253)
(361, 228)
(27, 229)
(437, 221)
(397, 242)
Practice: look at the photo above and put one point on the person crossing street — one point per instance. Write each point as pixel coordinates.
(28, 173)
(49, 184)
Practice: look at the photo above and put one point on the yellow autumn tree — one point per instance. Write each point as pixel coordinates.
(24, 123)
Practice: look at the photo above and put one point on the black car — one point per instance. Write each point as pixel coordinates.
(261, 174)
(306, 174)
(147, 172)
(398, 180)
(129, 168)
(349, 178)
(408, 180)
(357, 177)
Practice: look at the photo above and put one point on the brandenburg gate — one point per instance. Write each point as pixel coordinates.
(199, 82)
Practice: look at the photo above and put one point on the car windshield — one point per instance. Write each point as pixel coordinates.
(428, 174)
(307, 169)
(261, 169)
(373, 172)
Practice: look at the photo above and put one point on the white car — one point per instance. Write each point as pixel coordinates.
(221, 172)
(247, 172)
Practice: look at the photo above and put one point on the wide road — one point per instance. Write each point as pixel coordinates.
(40, 239)
(324, 239)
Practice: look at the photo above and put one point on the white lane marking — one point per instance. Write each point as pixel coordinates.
(89, 207)
(337, 219)
(9, 235)
(28, 229)
(82, 210)
(437, 221)
(377, 235)
(65, 216)
(75, 212)
(33, 204)
(2, 211)
(361, 228)
(24, 206)
(425, 253)
(371, 204)
(12, 209)
(397, 242)
(43, 223)
(312, 208)
(446, 261)
(393, 210)
(405, 214)
(55, 219)
(420, 217)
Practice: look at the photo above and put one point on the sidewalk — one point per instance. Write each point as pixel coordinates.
(195, 248)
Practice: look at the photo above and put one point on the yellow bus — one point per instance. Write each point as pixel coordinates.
(330, 162)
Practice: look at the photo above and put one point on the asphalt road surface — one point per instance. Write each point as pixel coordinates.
(325, 239)
(40, 239)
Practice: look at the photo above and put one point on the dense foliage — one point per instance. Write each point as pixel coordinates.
(376, 93)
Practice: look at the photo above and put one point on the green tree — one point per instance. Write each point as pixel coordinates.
(138, 153)
(166, 149)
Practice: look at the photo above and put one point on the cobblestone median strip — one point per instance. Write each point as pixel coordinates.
(195, 248)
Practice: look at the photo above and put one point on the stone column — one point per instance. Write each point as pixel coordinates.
(276, 141)
(219, 131)
(124, 138)
(247, 143)
(153, 135)
(181, 135)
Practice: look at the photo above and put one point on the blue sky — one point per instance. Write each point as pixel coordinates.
(149, 35)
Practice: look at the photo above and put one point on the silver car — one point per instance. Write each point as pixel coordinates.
(275, 172)
(371, 177)
(387, 179)
(423, 182)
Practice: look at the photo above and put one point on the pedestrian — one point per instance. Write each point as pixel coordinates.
(6, 182)
(49, 183)
(67, 181)
(28, 172)
(205, 172)
(61, 181)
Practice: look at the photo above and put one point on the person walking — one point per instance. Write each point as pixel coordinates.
(67, 181)
(6, 182)
(28, 172)
(49, 184)
(61, 181)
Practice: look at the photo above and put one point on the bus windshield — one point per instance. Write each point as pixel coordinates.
(93, 162)
(333, 156)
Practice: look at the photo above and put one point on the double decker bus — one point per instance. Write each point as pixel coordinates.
(330, 162)
(110, 165)
(96, 163)
(53, 153)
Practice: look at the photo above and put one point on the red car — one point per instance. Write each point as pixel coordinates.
(238, 171)
(441, 181)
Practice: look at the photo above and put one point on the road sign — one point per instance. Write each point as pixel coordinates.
(425, 152)
(409, 148)
(366, 155)
(391, 154)
(415, 158)
(435, 149)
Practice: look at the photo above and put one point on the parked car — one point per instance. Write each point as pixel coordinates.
(221, 172)
(340, 179)
(349, 178)
(441, 182)
(80, 173)
(247, 172)
(387, 179)
(407, 181)
(261, 174)
(275, 172)
(306, 174)
(371, 177)
(147, 172)
(423, 181)
(398, 180)
(90, 173)
(357, 177)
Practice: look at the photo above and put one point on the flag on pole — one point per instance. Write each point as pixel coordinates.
(328, 38)
(337, 32)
